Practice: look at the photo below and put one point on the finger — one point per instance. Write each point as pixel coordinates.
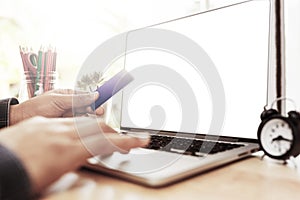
(108, 143)
(86, 99)
(74, 112)
(67, 101)
(68, 113)
(82, 111)
(100, 111)
(87, 126)
(106, 128)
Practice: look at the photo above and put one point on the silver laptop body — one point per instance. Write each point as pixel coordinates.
(236, 40)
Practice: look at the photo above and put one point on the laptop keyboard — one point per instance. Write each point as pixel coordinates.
(194, 147)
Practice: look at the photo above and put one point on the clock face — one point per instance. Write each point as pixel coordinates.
(276, 137)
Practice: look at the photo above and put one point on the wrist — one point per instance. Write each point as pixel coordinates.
(14, 115)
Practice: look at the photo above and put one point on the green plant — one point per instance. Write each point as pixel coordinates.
(90, 81)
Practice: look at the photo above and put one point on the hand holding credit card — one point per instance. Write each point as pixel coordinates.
(111, 87)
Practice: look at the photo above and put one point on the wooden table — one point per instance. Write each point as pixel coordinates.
(250, 178)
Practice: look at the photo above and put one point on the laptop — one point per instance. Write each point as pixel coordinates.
(183, 144)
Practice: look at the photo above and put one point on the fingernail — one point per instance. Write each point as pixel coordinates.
(95, 94)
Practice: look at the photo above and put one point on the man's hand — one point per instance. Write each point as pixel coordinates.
(48, 148)
(55, 103)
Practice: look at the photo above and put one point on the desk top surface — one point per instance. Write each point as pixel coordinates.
(250, 178)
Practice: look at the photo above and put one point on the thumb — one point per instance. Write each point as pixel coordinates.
(67, 101)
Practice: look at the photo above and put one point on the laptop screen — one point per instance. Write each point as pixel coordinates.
(233, 44)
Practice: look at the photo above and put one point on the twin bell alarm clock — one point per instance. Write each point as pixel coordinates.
(279, 135)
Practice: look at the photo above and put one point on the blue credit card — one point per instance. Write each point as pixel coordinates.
(111, 87)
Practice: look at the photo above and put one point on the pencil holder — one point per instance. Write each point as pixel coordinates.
(49, 83)
(34, 85)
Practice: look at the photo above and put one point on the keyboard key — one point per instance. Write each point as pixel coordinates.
(194, 147)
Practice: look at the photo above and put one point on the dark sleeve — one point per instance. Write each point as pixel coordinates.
(14, 182)
(4, 111)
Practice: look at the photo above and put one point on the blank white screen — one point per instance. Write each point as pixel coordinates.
(236, 39)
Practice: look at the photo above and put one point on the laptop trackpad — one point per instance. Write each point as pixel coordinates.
(143, 160)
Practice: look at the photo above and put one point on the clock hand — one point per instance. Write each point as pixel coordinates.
(280, 138)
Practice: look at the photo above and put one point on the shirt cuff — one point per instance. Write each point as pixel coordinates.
(4, 110)
(14, 181)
